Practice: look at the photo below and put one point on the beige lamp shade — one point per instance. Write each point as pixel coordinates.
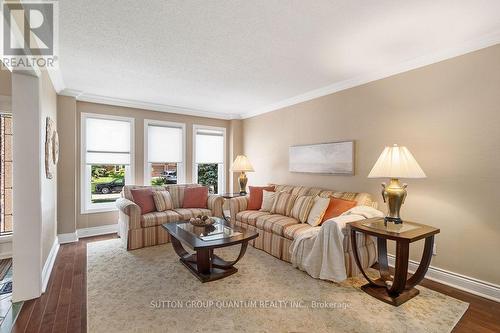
(242, 164)
(396, 162)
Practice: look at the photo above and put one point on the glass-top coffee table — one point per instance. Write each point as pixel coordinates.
(204, 264)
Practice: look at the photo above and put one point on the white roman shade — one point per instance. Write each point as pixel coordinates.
(209, 146)
(107, 141)
(164, 144)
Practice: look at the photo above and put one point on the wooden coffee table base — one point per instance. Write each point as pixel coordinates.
(206, 265)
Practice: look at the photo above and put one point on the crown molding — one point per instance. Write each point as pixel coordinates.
(490, 40)
(92, 98)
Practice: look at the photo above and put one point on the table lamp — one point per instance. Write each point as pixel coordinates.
(242, 164)
(395, 162)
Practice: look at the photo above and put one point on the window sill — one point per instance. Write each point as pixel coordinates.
(98, 210)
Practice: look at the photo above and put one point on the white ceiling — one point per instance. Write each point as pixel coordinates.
(237, 58)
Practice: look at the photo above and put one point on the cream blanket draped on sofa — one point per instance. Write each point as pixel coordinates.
(320, 252)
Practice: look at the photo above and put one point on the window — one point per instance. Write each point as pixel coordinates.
(164, 151)
(209, 152)
(107, 160)
(5, 174)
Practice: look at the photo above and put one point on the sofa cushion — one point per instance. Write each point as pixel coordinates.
(187, 213)
(275, 223)
(255, 199)
(144, 199)
(294, 230)
(268, 198)
(250, 216)
(362, 199)
(157, 218)
(163, 201)
(318, 211)
(177, 193)
(302, 207)
(337, 207)
(283, 204)
(195, 197)
(127, 190)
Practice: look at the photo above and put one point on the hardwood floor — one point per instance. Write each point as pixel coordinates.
(62, 308)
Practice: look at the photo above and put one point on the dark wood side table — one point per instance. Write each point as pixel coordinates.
(230, 196)
(399, 288)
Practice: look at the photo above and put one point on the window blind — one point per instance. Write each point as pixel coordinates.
(164, 144)
(107, 141)
(209, 146)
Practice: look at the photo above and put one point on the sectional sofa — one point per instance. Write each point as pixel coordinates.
(277, 232)
(139, 230)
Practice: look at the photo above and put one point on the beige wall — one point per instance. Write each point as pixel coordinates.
(99, 219)
(48, 108)
(66, 178)
(235, 149)
(447, 114)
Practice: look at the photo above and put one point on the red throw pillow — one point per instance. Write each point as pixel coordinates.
(255, 200)
(195, 197)
(143, 197)
(336, 207)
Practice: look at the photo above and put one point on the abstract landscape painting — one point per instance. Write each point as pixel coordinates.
(329, 158)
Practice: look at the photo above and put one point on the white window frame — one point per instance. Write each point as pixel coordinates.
(181, 167)
(222, 171)
(86, 206)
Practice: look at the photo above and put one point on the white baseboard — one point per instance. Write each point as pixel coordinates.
(49, 263)
(5, 255)
(67, 238)
(97, 231)
(471, 285)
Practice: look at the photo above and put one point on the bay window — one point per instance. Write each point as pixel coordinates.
(209, 151)
(107, 160)
(164, 151)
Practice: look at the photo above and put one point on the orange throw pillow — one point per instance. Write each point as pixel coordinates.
(195, 197)
(143, 197)
(336, 207)
(255, 200)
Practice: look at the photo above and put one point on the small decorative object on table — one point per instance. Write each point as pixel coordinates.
(201, 221)
(394, 163)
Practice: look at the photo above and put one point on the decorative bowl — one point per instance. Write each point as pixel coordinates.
(201, 221)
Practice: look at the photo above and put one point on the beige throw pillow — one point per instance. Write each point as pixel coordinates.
(163, 200)
(318, 210)
(302, 207)
(283, 203)
(267, 200)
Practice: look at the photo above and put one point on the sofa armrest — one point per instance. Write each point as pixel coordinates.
(130, 210)
(237, 205)
(215, 203)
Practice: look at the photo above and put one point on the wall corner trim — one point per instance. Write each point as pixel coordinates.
(67, 238)
(97, 231)
(465, 283)
(49, 264)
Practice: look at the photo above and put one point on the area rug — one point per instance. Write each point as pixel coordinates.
(149, 290)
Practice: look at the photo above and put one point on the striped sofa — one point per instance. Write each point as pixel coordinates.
(139, 230)
(277, 232)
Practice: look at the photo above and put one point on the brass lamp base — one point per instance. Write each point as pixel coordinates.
(243, 183)
(394, 195)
